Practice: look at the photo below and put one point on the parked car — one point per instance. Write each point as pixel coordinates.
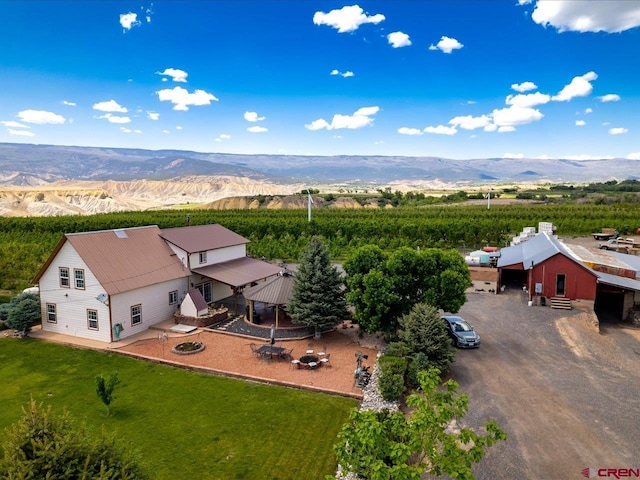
(461, 333)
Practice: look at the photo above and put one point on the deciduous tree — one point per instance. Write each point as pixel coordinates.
(391, 446)
(104, 389)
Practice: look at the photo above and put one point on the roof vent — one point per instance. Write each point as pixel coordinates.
(121, 234)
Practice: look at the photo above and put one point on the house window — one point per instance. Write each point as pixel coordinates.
(203, 257)
(560, 284)
(92, 319)
(136, 314)
(205, 290)
(173, 297)
(64, 277)
(78, 275)
(52, 315)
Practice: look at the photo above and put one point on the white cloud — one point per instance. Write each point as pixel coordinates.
(634, 156)
(181, 98)
(524, 86)
(506, 129)
(114, 118)
(587, 157)
(528, 100)
(153, 115)
(110, 106)
(137, 131)
(469, 122)
(13, 124)
(125, 130)
(447, 45)
(129, 20)
(21, 133)
(360, 118)
(617, 131)
(398, 39)
(409, 131)
(347, 19)
(492, 127)
(179, 127)
(318, 125)
(543, 157)
(222, 137)
(176, 74)
(70, 104)
(346, 74)
(604, 124)
(524, 2)
(441, 130)
(252, 117)
(166, 131)
(513, 155)
(579, 87)
(610, 97)
(580, 123)
(257, 129)
(41, 117)
(611, 16)
(515, 116)
(588, 111)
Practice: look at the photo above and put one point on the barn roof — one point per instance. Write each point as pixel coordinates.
(533, 251)
(201, 238)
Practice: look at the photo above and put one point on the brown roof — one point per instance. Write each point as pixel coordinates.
(124, 259)
(275, 291)
(200, 238)
(239, 272)
(198, 300)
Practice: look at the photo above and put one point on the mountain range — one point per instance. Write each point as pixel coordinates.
(24, 164)
(46, 180)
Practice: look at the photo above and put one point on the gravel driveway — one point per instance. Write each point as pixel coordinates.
(568, 397)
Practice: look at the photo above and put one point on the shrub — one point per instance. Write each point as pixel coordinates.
(24, 311)
(391, 386)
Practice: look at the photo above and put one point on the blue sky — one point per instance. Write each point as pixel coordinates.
(456, 79)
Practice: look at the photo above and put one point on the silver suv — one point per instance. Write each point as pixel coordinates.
(461, 333)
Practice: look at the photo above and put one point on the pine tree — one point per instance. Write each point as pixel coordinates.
(318, 298)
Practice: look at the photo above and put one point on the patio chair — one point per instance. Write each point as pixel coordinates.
(295, 363)
(325, 360)
(287, 354)
(254, 349)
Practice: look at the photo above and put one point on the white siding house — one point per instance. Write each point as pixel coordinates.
(109, 285)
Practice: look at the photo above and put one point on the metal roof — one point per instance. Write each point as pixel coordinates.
(593, 257)
(275, 291)
(198, 300)
(122, 263)
(616, 281)
(533, 251)
(201, 238)
(239, 272)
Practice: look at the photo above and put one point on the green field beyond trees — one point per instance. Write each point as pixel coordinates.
(25, 243)
(186, 425)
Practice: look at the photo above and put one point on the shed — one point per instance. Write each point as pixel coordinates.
(482, 255)
(194, 304)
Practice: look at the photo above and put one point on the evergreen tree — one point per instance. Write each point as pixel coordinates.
(23, 312)
(44, 445)
(318, 298)
(104, 389)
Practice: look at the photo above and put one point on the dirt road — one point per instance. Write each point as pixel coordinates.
(568, 397)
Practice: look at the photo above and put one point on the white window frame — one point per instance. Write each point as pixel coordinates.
(62, 278)
(92, 317)
(78, 281)
(52, 313)
(136, 315)
(206, 289)
(173, 297)
(202, 257)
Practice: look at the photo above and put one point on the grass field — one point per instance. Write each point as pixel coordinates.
(187, 425)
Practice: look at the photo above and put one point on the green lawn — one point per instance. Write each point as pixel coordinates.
(186, 425)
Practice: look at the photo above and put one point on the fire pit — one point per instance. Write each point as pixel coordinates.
(309, 361)
(188, 348)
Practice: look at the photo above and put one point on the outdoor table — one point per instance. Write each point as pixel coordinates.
(309, 361)
(270, 351)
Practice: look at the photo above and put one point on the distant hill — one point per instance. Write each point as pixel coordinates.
(30, 165)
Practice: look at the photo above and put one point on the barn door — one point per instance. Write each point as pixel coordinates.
(560, 284)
